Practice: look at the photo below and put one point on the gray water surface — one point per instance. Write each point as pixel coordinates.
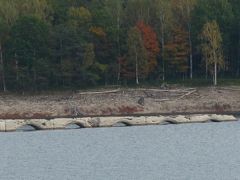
(182, 152)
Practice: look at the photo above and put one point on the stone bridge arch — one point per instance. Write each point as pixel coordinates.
(121, 124)
(74, 123)
(28, 127)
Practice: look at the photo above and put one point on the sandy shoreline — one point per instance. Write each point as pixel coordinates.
(220, 100)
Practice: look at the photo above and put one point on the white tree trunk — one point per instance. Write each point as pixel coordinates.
(215, 74)
(238, 62)
(137, 73)
(206, 69)
(190, 49)
(118, 42)
(190, 39)
(163, 46)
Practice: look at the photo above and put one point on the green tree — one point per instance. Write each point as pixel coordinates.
(138, 10)
(29, 37)
(8, 11)
(12, 9)
(235, 37)
(89, 56)
(8, 15)
(80, 15)
(66, 50)
(38, 8)
(3, 34)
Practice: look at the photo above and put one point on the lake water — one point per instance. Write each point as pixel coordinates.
(182, 152)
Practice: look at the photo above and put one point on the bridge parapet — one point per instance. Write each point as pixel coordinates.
(91, 122)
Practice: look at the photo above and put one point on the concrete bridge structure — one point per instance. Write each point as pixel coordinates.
(9, 125)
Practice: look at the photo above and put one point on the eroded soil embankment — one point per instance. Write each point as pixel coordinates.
(122, 102)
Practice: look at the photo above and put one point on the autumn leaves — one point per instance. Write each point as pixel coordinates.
(143, 49)
(81, 43)
(212, 48)
(168, 46)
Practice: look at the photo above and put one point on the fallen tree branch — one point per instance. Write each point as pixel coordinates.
(162, 90)
(100, 92)
(229, 89)
(187, 94)
(163, 100)
(144, 90)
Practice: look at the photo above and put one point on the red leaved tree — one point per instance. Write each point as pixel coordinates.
(150, 43)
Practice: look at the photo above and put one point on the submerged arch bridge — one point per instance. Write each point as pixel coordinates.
(94, 122)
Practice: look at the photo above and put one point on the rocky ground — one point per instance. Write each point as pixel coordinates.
(122, 102)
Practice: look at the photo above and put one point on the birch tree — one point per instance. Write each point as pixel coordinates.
(212, 48)
(115, 8)
(137, 54)
(186, 7)
(164, 16)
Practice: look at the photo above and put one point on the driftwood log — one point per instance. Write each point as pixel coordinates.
(151, 93)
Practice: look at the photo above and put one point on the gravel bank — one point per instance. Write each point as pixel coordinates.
(219, 100)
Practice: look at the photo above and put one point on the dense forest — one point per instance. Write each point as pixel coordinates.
(50, 44)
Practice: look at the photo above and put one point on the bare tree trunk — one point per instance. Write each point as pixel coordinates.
(137, 73)
(61, 61)
(35, 75)
(190, 38)
(163, 46)
(35, 78)
(215, 74)
(206, 69)
(119, 70)
(238, 56)
(34, 70)
(118, 44)
(190, 50)
(148, 16)
(16, 67)
(215, 68)
(2, 69)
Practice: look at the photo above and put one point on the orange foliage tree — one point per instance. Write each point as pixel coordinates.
(151, 45)
(177, 50)
(150, 51)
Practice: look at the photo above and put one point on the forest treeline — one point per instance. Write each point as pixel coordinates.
(48, 44)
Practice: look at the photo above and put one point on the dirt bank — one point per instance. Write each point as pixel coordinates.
(122, 102)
